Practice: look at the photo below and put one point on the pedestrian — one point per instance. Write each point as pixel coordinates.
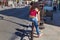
(54, 8)
(33, 11)
(31, 4)
(40, 15)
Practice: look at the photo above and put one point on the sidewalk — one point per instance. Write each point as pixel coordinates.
(50, 33)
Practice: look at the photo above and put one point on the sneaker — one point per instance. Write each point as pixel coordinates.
(36, 36)
(41, 34)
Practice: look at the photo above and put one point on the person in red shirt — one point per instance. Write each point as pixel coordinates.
(33, 12)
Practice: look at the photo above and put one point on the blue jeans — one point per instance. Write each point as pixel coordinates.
(34, 20)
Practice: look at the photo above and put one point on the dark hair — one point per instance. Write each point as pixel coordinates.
(35, 5)
(31, 3)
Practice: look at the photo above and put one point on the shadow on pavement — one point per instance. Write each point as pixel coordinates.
(18, 23)
(23, 33)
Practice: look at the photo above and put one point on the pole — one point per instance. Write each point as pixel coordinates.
(32, 31)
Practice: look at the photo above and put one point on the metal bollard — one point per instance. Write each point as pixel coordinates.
(32, 31)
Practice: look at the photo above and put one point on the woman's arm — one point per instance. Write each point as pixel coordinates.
(38, 16)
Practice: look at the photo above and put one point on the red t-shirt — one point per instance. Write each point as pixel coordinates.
(33, 12)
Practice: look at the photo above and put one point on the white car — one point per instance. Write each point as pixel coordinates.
(49, 8)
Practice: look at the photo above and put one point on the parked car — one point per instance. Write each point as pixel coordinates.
(48, 11)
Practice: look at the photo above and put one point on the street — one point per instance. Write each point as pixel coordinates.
(15, 25)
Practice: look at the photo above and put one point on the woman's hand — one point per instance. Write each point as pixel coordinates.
(37, 9)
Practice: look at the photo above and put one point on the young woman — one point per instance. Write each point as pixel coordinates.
(33, 12)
